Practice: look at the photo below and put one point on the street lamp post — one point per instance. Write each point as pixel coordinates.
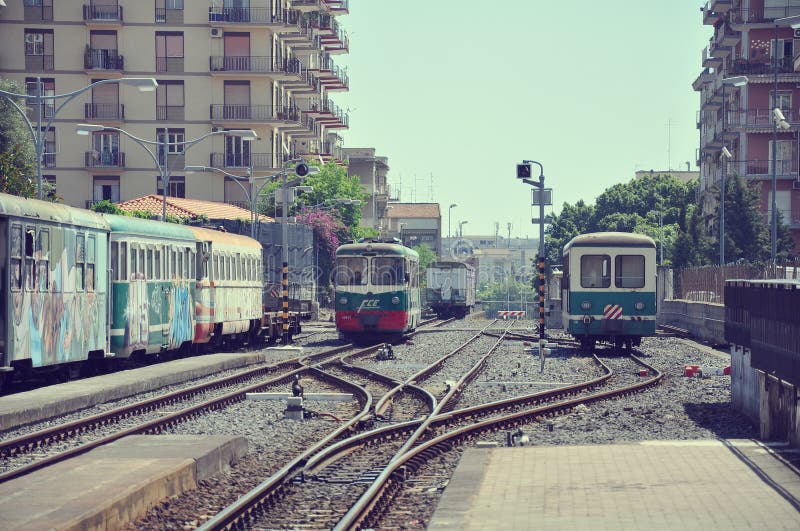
(461, 228)
(165, 169)
(39, 135)
(449, 211)
(725, 156)
(401, 233)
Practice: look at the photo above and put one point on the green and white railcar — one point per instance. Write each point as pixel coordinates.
(609, 288)
(53, 267)
(152, 289)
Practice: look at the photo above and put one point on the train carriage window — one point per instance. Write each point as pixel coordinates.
(142, 264)
(80, 262)
(173, 264)
(192, 264)
(90, 261)
(43, 259)
(388, 271)
(149, 264)
(134, 261)
(123, 262)
(16, 258)
(216, 267)
(115, 260)
(595, 271)
(350, 271)
(629, 271)
(30, 261)
(180, 264)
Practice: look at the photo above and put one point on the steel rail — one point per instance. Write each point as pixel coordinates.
(375, 500)
(154, 426)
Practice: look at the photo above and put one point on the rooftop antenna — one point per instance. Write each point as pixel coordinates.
(508, 243)
(430, 190)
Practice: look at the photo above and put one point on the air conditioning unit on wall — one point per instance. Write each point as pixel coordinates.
(216, 33)
(796, 185)
(797, 33)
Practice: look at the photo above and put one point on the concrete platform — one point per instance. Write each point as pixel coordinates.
(50, 401)
(113, 485)
(652, 485)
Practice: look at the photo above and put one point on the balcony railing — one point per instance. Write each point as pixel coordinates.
(762, 14)
(49, 159)
(39, 62)
(175, 113)
(104, 111)
(168, 15)
(253, 15)
(99, 59)
(243, 63)
(102, 13)
(761, 66)
(763, 167)
(758, 117)
(254, 112)
(169, 64)
(242, 160)
(48, 109)
(104, 159)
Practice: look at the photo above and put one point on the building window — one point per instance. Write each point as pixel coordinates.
(38, 10)
(177, 186)
(106, 189)
(169, 11)
(170, 100)
(48, 88)
(783, 102)
(49, 155)
(169, 52)
(39, 48)
(174, 138)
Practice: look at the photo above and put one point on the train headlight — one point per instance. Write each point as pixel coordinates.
(639, 306)
(343, 300)
(586, 306)
(395, 300)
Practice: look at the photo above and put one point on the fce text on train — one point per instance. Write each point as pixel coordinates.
(609, 288)
(80, 286)
(377, 290)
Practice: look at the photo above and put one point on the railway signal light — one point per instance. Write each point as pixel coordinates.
(523, 171)
(301, 170)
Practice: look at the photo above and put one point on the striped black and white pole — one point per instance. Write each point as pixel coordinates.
(285, 304)
(541, 297)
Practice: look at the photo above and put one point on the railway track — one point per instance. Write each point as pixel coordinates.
(27, 453)
(345, 470)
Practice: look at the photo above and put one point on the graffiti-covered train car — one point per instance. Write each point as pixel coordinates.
(53, 267)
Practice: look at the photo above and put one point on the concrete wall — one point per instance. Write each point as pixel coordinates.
(778, 409)
(705, 321)
(745, 386)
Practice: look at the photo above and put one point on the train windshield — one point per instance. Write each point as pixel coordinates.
(351, 271)
(629, 271)
(595, 271)
(387, 271)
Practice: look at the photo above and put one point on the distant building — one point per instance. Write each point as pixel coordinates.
(684, 176)
(497, 257)
(372, 171)
(415, 224)
(741, 51)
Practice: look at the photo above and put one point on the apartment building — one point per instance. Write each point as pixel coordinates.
(739, 86)
(265, 65)
(372, 172)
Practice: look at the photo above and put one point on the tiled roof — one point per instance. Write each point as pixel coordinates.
(188, 208)
(414, 210)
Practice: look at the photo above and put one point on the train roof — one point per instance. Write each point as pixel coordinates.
(371, 248)
(36, 210)
(611, 239)
(446, 264)
(227, 238)
(147, 227)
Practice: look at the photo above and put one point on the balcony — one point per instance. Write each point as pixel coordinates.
(751, 67)
(762, 15)
(253, 113)
(253, 16)
(103, 14)
(708, 61)
(39, 63)
(338, 7)
(104, 159)
(335, 43)
(331, 76)
(99, 59)
(111, 112)
(49, 159)
(260, 161)
(305, 6)
(717, 50)
(169, 64)
(762, 169)
(173, 17)
(760, 118)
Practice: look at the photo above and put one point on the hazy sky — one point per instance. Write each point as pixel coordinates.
(463, 91)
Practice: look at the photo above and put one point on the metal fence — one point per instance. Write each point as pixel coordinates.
(707, 284)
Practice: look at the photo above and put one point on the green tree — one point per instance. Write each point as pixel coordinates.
(785, 247)
(746, 232)
(506, 289)
(16, 146)
(15, 173)
(570, 222)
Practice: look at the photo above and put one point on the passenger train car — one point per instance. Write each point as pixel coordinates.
(450, 288)
(78, 285)
(609, 288)
(376, 290)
